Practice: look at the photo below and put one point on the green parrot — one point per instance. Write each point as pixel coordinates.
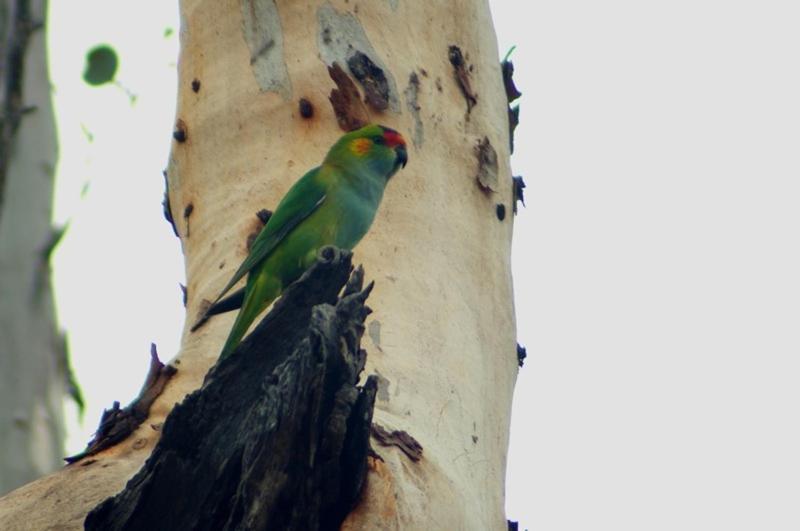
(333, 204)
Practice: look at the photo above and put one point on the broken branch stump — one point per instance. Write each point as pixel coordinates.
(278, 435)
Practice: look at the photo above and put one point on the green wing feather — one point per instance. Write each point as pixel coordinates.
(302, 200)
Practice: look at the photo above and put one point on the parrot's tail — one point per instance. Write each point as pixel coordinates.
(234, 338)
(256, 300)
(228, 304)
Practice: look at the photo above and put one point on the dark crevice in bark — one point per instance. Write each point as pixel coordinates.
(277, 437)
(187, 212)
(16, 28)
(372, 79)
(306, 108)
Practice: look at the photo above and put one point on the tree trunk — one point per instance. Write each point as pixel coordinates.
(32, 354)
(255, 111)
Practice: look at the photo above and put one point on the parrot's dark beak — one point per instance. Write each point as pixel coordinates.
(402, 156)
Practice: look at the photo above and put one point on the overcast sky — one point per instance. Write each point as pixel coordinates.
(655, 266)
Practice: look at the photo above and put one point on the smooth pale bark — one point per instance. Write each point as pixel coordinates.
(441, 337)
(32, 356)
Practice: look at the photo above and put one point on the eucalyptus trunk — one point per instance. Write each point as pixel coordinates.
(255, 111)
(33, 368)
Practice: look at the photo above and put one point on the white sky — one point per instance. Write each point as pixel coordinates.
(656, 264)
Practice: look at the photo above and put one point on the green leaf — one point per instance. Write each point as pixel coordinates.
(101, 65)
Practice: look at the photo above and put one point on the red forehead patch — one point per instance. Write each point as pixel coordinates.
(393, 138)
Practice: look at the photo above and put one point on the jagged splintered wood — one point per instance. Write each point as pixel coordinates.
(118, 424)
(278, 435)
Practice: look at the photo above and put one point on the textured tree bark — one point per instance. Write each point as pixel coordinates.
(255, 111)
(33, 368)
(277, 437)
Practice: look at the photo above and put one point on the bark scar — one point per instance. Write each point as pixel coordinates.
(412, 104)
(342, 39)
(372, 78)
(462, 71)
(261, 25)
(487, 166)
(187, 212)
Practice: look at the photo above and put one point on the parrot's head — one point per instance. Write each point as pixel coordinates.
(382, 149)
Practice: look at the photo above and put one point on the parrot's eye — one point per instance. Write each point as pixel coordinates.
(379, 140)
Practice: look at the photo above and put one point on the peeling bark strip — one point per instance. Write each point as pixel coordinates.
(166, 205)
(345, 100)
(116, 424)
(400, 439)
(15, 28)
(41, 278)
(261, 25)
(522, 353)
(487, 166)
(278, 436)
(412, 104)
(71, 381)
(462, 76)
(507, 67)
(186, 213)
(513, 122)
(512, 93)
(518, 189)
(372, 78)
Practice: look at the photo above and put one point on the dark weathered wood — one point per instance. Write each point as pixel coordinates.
(117, 424)
(401, 439)
(278, 435)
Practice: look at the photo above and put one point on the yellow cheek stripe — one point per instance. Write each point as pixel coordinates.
(360, 146)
